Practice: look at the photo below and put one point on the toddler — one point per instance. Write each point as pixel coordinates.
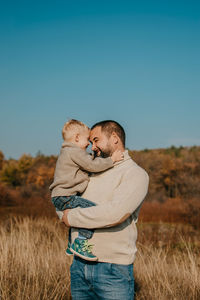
(71, 178)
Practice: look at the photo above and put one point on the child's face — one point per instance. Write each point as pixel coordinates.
(83, 139)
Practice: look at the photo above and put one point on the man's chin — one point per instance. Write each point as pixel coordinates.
(103, 154)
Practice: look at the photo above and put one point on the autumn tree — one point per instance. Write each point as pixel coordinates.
(10, 173)
(1, 159)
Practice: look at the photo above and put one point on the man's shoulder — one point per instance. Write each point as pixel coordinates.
(132, 168)
(129, 165)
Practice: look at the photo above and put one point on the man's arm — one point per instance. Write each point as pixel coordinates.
(127, 197)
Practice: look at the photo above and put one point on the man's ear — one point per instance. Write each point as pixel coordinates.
(77, 137)
(115, 138)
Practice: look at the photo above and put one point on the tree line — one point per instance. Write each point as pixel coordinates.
(174, 183)
(174, 172)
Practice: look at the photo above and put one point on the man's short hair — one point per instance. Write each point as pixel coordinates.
(71, 128)
(110, 126)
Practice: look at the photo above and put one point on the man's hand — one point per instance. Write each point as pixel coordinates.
(97, 153)
(64, 218)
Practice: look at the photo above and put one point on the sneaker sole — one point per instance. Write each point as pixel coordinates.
(84, 257)
(69, 254)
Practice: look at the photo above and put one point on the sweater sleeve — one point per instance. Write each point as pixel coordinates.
(126, 199)
(87, 163)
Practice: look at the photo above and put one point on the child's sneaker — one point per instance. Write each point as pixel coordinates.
(68, 251)
(82, 249)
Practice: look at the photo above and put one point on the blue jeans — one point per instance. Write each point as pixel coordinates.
(103, 281)
(64, 202)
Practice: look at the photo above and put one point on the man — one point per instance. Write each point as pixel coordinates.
(118, 193)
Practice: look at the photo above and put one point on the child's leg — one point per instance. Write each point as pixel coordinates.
(69, 235)
(60, 202)
(68, 250)
(81, 247)
(77, 201)
(63, 202)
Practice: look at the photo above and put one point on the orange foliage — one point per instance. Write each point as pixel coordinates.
(174, 188)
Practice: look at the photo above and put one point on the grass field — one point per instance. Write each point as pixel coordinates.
(33, 264)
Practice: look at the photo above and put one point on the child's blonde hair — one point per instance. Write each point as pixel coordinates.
(71, 128)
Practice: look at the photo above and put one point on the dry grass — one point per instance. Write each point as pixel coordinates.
(168, 263)
(33, 264)
(163, 275)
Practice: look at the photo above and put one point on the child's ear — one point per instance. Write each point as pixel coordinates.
(77, 138)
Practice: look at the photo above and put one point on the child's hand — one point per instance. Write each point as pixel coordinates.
(117, 156)
(97, 153)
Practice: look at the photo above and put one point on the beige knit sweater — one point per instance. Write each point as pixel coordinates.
(71, 173)
(119, 193)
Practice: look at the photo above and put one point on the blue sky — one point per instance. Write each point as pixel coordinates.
(136, 62)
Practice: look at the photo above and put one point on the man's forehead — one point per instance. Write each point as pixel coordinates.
(95, 133)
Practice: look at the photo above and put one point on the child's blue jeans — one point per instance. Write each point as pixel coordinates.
(63, 202)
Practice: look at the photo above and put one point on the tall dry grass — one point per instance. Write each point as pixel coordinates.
(33, 264)
(163, 275)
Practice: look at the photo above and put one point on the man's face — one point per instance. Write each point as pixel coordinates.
(101, 144)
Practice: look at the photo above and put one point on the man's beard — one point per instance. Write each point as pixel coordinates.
(104, 153)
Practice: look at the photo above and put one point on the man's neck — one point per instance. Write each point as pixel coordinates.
(120, 148)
